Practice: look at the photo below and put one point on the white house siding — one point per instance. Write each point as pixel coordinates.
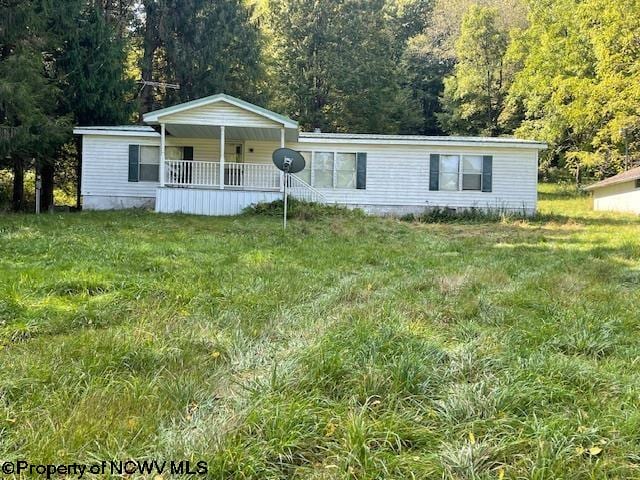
(105, 169)
(620, 197)
(220, 113)
(397, 175)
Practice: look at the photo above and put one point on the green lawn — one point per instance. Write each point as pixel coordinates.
(346, 348)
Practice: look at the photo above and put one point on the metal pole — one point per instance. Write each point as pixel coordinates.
(38, 187)
(286, 180)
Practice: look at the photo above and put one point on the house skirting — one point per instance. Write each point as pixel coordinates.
(104, 202)
(209, 202)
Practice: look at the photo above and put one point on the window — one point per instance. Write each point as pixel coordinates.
(323, 165)
(345, 170)
(460, 172)
(637, 182)
(334, 169)
(449, 172)
(305, 175)
(149, 164)
(173, 153)
(471, 172)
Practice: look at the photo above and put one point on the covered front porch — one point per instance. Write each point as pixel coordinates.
(223, 180)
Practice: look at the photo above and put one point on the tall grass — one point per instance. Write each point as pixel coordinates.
(346, 347)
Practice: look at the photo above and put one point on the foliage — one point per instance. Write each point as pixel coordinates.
(97, 90)
(205, 47)
(579, 83)
(467, 215)
(335, 66)
(474, 95)
(343, 348)
(301, 210)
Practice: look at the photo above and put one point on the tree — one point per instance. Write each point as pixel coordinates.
(28, 92)
(334, 66)
(206, 47)
(430, 53)
(91, 68)
(578, 88)
(474, 95)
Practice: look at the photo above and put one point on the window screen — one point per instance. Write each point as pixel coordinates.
(149, 164)
(471, 172)
(449, 172)
(323, 170)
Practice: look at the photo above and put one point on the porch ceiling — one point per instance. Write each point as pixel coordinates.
(231, 133)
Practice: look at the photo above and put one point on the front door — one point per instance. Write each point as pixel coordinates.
(233, 170)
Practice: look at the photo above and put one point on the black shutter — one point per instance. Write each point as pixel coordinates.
(487, 173)
(361, 171)
(187, 153)
(434, 172)
(134, 162)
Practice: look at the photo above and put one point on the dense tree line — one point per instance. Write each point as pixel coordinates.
(563, 71)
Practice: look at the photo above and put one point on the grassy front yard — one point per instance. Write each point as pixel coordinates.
(345, 348)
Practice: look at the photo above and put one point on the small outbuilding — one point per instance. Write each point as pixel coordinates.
(620, 193)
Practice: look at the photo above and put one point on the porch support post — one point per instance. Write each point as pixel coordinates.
(282, 132)
(162, 154)
(221, 172)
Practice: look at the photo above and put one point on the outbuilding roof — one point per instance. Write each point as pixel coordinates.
(628, 176)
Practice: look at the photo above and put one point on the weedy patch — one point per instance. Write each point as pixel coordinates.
(475, 347)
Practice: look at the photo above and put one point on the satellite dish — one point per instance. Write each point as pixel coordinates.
(289, 161)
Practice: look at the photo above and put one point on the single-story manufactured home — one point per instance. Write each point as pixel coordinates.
(213, 156)
(620, 193)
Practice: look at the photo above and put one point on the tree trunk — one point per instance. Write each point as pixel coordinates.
(46, 194)
(17, 201)
(78, 141)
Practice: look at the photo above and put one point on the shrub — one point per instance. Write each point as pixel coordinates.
(301, 210)
(468, 215)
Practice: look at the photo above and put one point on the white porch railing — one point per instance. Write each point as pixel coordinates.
(237, 176)
(252, 176)
(303, 191)
(248, 176)
(188, 173)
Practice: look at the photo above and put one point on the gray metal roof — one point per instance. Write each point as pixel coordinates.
(628, 176)
(421, 138)
(119, 128)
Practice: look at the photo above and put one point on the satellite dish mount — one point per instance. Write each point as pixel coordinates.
(288, 161)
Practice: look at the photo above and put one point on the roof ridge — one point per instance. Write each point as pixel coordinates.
(626, 176)
(201, 102)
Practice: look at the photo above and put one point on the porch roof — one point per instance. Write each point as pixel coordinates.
(204, 117)
(158, 115)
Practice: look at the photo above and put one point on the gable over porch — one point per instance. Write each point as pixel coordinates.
(231, 122)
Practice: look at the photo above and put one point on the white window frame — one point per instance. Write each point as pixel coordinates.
(461, 172)
(140, 163)
(335, 171)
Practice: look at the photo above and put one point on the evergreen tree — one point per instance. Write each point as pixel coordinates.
(336, 66)
(206, 47)
(29, 97)
(91, 68)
